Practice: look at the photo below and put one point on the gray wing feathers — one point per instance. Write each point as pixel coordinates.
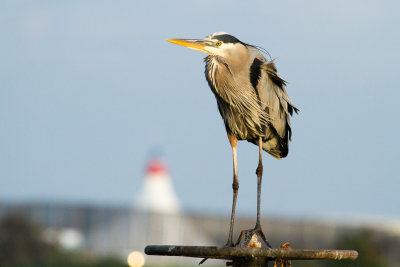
(274, 98)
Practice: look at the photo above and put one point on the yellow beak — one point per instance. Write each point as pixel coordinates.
(195, 44)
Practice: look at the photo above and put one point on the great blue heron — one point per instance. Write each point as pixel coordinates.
(251, 98)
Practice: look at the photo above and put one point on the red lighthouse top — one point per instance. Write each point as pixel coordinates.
(156, 167)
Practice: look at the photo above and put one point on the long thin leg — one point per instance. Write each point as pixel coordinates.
(235, 187)
(259, 173)
(255, 237)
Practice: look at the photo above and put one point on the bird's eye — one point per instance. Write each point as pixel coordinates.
(218, 43)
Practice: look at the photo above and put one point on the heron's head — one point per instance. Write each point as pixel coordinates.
(217, 44)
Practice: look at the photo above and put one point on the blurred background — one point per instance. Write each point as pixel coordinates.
(111, 139)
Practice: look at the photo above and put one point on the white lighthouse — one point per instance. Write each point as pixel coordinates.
(157, 217)
(157, 194)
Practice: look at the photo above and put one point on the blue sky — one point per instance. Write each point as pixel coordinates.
(88, 89)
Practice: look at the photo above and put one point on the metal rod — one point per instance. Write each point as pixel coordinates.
(230, 253)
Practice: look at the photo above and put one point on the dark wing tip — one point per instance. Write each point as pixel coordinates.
(291, 108)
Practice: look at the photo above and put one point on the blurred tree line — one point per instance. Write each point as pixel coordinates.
(22, 245)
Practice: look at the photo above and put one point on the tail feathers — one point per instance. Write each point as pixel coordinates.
(276, 149)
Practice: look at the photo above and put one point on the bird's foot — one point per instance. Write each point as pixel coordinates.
(283, 262)
(252, 238)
